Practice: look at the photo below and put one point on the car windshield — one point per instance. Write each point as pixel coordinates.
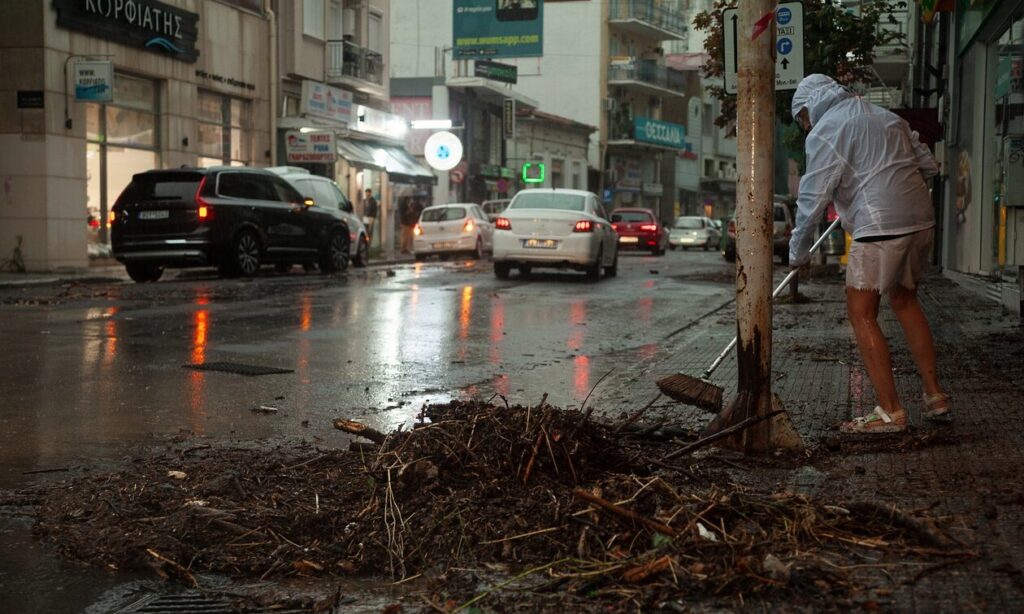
(162, 186)
(631, 216)
(549, 200)
(689, 222)
(443, 214)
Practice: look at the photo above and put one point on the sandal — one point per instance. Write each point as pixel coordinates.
(878, 421)
(937, 407)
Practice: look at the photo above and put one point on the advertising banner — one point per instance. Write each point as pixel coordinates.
(326, 102)
(94, 81)
(488, 29)
(310, 146)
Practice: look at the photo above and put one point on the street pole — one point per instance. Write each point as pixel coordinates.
(755, 138)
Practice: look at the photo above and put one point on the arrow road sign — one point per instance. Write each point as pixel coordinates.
(789, 46)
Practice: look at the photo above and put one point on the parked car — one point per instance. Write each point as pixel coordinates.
(639, 229)
(233, 218)
(326, 193)
(694, 231)
(555, 228)
(782, 228)
(493, 208)
(459, 228)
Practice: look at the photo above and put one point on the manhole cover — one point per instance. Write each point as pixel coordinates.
(238, 369)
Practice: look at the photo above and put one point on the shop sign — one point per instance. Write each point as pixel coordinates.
(310, 146)
(657, 132)
(326, 102)
(487, 29)
(148, 24)
(506, 73)
(30, 99)
(94, 81)
(377, 122)
(628, 175)
(508, 118)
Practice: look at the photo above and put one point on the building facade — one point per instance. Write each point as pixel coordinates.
(334, 98)
(182, 94)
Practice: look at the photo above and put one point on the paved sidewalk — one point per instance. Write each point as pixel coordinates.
(966, 473)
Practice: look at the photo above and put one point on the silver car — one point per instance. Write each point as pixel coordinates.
(694, 231)
(326, 193)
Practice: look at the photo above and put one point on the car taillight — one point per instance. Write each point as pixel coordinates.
(615, 227)
(503, 223)
(649, 227)
(584, 226)
(468, 226)
(732, 227)
(417, 230)
(204, 209)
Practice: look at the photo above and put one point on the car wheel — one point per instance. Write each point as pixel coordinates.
(334, 259)
(594, 270)
(246, 258)
(613, 270)
(141, 273)
(685, 248)
(707, 246)
(478, 251)
(362, 253)
(502, 270)
(524, 270)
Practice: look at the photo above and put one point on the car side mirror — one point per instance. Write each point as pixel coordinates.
(308, 202)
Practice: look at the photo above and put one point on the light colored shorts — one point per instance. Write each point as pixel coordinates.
(881, 265)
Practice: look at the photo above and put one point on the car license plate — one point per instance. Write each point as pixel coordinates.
(443, 245)
(540, 243)
(160, 214)
(628, 239)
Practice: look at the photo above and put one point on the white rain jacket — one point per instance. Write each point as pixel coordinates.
(863, 158)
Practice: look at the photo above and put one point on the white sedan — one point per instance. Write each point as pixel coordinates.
(460, 228)
(558, 229)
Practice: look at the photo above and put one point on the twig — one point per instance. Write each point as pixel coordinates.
(310, 461)
(637, 415)
(54, 470)
(156, 555)
(623, 513)
(592, 389)
(710, 439)
(520, 536)
(938, 567)
(357, 428)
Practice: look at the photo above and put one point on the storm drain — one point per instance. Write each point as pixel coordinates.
(237, 368)
(194, 602)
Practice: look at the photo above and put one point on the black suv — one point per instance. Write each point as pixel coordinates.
(233, 218)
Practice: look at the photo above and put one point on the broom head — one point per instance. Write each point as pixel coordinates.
(692, 391)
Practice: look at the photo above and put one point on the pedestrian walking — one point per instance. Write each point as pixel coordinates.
(370, 210)
(408, 216)
(868, 162)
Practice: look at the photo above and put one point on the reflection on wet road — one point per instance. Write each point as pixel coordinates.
(84, 379)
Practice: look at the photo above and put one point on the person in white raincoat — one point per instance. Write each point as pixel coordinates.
(868, 162)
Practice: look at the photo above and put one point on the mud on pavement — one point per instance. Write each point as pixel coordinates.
(494, 507)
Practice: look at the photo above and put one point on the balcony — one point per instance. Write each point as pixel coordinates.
(355, 66)
(648, 19)
(647, 76)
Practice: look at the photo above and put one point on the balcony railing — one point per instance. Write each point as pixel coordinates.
(653, 12)
(345, 59)
(649, 72)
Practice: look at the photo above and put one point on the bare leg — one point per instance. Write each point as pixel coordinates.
(918, 334)
(862, 307)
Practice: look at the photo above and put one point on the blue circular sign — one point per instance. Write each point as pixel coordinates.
(784, 46)
(443, 152)
(783, 16)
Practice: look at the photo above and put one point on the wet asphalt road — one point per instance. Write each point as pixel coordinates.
(97, 369)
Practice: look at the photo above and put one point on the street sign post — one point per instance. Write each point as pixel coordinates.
(789, 46)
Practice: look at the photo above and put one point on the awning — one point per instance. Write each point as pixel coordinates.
(403, 168)
(361, 155)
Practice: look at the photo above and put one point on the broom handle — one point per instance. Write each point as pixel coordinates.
(785, 282)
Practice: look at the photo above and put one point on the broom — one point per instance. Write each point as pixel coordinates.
(700, 392)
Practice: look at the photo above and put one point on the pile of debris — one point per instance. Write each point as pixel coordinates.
(573, 509)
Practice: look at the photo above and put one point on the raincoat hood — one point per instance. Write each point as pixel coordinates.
(818, 93)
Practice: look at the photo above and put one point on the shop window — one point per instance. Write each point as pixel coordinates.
(223, 130)
(122, 139)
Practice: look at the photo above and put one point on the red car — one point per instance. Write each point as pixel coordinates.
(639, 229)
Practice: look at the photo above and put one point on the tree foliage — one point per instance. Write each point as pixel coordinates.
(837, 43)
